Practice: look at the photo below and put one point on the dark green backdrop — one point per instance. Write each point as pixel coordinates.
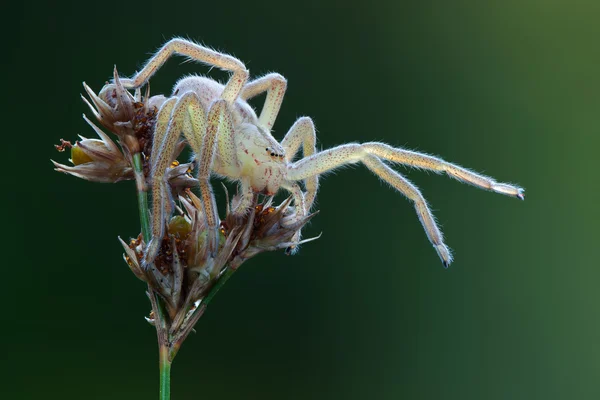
(510, 88)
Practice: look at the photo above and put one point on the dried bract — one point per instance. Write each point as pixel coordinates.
(131, 118)
(185, 248)
(97, 160)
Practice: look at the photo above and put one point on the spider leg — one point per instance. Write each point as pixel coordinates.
(198, 53)
(160, 128)
(163, 148)
(301, 210)
(298, 196)
(303, 133)
(425, 161)
(184, 114)
(349, 153)
(219, 124)
(243, 204)
(405, 187)
(275, 86)
(369, 154)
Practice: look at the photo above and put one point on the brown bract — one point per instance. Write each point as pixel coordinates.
(130, 118)
(184, 272)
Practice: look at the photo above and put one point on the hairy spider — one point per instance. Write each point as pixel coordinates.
(229, 140)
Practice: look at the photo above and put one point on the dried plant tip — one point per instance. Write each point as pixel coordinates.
(180, 177)
(132, 261)
(97, 160)
(128, 116)
(102, 111)
(125, 101)
(132, 119)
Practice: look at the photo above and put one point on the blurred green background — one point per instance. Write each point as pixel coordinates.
(509, 88)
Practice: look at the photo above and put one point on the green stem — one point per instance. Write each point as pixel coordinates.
(162, 329)
(138, 168)
(165, 373)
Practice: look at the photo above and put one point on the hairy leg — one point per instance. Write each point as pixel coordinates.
(245, 200)
(300, 205)
(198, 53)
(352, 153)
(370, 154)
(184, 114)
(160, 128)
(219, 119)
(275, 86)
(303, 133)
(425, 161)
(405, 187)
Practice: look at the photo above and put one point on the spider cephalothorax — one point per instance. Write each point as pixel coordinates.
(229, 139)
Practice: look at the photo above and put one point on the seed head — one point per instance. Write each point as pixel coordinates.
(131, 118)
(97, 160)
(187, 266)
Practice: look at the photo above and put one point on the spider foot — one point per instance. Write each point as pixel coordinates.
(444, 254)
(290, 251)
(509, 190)
(212, 242)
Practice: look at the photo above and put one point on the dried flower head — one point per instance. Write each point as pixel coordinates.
(185, 272)
(97, 160)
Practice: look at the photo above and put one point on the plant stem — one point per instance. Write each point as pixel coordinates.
(166, 353)
(161, 322)
(165, 373)
(142, 196)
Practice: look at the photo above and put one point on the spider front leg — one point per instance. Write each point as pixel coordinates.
(198, 53)
(333, 158)
(431, 163)
(301, 211)
(369, 154)
(302, 133)
(275, 86)
(404, 186)
(352, 153)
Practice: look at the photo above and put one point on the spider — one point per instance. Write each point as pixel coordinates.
(231, 141)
